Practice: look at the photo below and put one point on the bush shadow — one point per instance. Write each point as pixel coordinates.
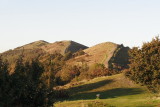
(88, 87)
(83, 92)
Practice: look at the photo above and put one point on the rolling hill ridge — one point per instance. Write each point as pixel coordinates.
(112, 55)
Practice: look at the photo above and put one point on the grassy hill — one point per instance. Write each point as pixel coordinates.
(33, 45)
(101, 53)
(63, 47)
(115, 91)
(107, 53)
(59, 47)
(40, 48)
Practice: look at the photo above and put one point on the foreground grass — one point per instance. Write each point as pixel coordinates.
(115, 91)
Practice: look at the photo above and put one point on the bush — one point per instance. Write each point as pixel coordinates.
(69, 72)
(145, 64)
(98, 70)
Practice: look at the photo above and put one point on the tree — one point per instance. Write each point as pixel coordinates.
(4, 83)
(69, 72)
(98, 70)
(145, 64)
(26, 88)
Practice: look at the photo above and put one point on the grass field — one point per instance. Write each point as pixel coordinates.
(115, 91)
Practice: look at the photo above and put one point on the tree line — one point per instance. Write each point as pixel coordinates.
(25, 86)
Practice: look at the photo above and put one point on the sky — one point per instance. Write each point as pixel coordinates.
(89, 22)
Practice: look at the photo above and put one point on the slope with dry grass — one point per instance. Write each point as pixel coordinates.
(63, 46)
(105, 53)
(40, 48)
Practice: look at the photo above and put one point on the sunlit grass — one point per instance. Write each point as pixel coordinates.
(115, 91)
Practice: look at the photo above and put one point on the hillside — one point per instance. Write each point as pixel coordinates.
(115, 91)
(63, 47)
(33, 45)
(110, 54)
(40, 49)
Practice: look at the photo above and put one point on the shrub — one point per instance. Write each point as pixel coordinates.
(98, 70)
(145, 64)
(69, 72)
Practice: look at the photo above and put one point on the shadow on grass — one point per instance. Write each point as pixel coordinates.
(113, 93)
(88, 87)
(82, 92)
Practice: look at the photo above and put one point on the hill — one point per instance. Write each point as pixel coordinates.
(40, 49)
(33, 45)
(110, 54)
(63, 46)
(114, 91)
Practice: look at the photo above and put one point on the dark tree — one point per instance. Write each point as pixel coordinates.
(145, 64)
(4, 83)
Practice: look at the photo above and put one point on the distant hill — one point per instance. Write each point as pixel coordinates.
(63, 47)
(33, 45)
(108, 53)
(41, 48)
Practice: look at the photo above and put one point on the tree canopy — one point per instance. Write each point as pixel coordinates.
(144, 65)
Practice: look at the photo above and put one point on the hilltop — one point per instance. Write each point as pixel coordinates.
(33, 45)
(63, 47)
(110, 54)
(41, 47)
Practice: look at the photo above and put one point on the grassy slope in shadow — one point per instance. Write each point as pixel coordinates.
(115, 90)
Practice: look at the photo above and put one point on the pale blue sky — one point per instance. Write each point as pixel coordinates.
(89, 22)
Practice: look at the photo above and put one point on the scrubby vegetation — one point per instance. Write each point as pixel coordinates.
(144, 65)
(29, 85)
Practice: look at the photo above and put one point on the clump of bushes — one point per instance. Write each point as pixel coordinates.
(98, 70)
(29, 85)
(76, 73)
(72, 73)
(144, 67)
(67, 74)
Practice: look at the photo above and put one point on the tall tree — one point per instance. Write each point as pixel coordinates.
(145, 64)
(4, 83)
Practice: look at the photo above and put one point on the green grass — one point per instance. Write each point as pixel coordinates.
(115, 91)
